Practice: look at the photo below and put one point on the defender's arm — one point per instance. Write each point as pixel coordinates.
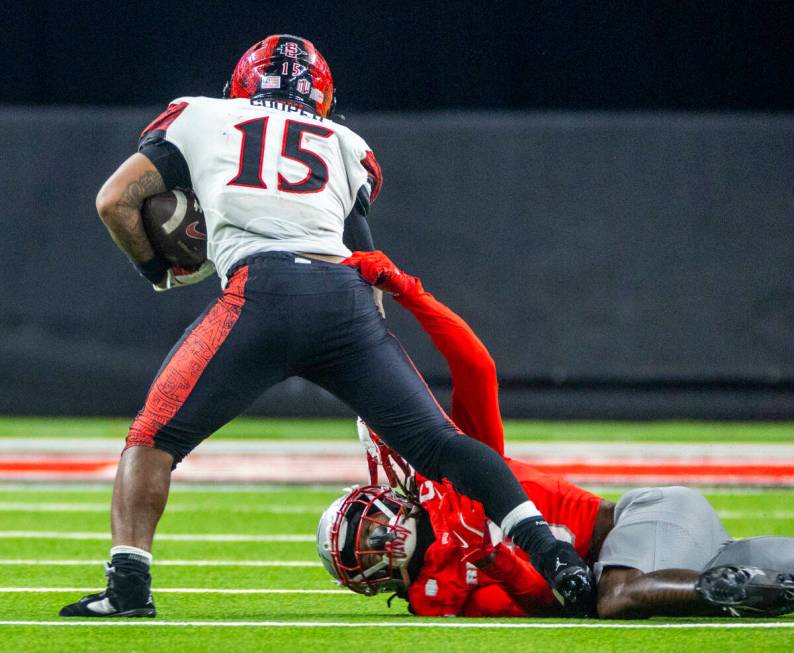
(520, 588)
(628, 593)
(475, 389)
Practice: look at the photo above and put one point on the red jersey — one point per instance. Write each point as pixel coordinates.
(509, 586)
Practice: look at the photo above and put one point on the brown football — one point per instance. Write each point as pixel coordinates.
(175, 225)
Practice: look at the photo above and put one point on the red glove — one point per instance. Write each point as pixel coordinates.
(468, 526)
(379, 270)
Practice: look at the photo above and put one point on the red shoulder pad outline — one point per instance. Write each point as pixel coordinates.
(374, 174)
(164, 120)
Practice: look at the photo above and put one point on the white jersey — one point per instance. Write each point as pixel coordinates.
(269, 175)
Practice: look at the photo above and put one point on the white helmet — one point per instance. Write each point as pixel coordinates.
(366, 538)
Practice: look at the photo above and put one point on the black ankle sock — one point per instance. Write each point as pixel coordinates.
(130, 563)
(533, 536)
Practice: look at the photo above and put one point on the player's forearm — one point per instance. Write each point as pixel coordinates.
(128, 234)
(119, 204)
(668, 592)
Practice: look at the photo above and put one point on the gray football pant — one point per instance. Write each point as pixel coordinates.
(676, 528)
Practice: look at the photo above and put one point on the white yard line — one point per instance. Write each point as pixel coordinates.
(216, 537)
(482, 624)
(172, 590)
(581, 450)
(38, 487)
(25, 506)
(277, 510)
(170, 563)
(177, 486)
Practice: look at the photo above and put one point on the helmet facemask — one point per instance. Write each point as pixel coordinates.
(371, 540)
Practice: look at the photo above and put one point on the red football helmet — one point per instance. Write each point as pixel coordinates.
(366, 538)
(287, 68)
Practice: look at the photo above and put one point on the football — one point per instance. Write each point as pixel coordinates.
(174, 223)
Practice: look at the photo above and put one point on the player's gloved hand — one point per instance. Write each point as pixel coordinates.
(468, 525)
(570, 579)
(177, 277)
(380, 271)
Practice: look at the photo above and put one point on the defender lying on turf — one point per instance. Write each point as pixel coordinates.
(659, 551)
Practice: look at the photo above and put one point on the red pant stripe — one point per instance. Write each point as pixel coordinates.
(174, 384)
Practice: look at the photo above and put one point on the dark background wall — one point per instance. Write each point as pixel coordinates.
(617, 265)
(603, 189)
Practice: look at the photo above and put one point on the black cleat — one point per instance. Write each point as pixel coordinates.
(575, 590)
(127, 595)
(570, 580)
(748, 591)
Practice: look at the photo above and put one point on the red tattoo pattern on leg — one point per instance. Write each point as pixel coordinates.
(174, 384)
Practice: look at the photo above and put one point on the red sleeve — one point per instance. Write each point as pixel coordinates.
(440, 589)
(443, 584)
(433, 596)
(374, 175)
(165, 155)
(520, 582)
(508, 587)
(475, 390)
(162, 122)
(491, 601)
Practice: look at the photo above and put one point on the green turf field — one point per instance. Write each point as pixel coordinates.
(291, 621)
(515, 430)
(55, 536)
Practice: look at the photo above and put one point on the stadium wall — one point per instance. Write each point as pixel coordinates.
(617, 265)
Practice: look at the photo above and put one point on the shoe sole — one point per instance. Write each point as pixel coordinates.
(735, 587)
(137, 612)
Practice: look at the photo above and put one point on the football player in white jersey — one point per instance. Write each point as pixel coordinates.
(285, 191)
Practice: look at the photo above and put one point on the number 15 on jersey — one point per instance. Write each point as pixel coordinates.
(252, 154)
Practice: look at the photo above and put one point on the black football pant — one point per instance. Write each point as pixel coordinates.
(282, 315)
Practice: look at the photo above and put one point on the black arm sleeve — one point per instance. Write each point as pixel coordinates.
(168, 160)
(357, 235)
